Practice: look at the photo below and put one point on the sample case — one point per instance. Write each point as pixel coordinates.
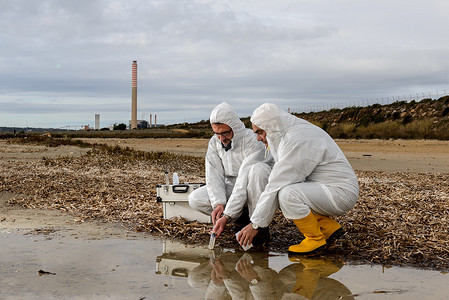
(175, 201)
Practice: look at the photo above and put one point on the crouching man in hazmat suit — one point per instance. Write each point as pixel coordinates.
(310, 180)
(236, 168)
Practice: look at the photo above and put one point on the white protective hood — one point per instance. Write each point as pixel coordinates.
(223, 113)
(274, 121)
(232, 166)
(302, 152)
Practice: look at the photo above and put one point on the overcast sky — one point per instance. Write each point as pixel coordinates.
(62, 62)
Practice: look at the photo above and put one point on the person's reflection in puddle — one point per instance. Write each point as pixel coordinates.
(231, 277)
(249, 277)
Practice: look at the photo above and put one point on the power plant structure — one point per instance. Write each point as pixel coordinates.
(134, 96)
(134, 123)
(97, 121)
(155, 120)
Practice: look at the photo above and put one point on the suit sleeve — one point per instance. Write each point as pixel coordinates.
(215, 179)
(254, 151)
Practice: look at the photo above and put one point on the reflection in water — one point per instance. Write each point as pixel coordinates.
(178, 259)
(119, 268)
(309, 278)
(237, 275)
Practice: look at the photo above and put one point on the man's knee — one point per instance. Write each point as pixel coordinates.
(199, 199)
(193, 200)
(259, 171)
(260, 168)
(283, 195)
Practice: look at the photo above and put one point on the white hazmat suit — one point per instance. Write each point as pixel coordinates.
(238, 174)
(310, 172)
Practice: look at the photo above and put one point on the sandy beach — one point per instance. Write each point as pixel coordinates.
(100, 196)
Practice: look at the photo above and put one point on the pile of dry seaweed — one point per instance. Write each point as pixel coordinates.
(400, 218)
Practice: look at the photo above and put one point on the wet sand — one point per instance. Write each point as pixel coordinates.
(80, 264)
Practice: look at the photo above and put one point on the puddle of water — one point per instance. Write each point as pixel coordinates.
(146, 268)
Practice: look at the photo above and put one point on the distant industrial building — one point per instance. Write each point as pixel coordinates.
(140, 124)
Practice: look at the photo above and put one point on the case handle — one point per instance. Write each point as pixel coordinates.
(181, 272)
(180, 188)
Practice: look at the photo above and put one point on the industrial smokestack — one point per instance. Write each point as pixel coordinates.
(150, 120)
(134, 96)
(155, 122)
(97, 121)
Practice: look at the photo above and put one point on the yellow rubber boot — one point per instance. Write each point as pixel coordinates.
(330, 228)
(314, 238)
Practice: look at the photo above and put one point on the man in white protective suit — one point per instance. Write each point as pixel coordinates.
(310, 181)
(236, 168)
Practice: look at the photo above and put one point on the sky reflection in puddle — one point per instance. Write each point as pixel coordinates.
(145, 268)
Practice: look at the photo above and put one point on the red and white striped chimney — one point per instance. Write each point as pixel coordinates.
(134, 96)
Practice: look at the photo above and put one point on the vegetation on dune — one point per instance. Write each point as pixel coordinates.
(427, 119)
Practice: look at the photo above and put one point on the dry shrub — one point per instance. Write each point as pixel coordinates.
(342, 130)
(417, 129)
(388, 129)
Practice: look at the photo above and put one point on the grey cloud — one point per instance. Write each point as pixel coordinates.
(66, 55)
